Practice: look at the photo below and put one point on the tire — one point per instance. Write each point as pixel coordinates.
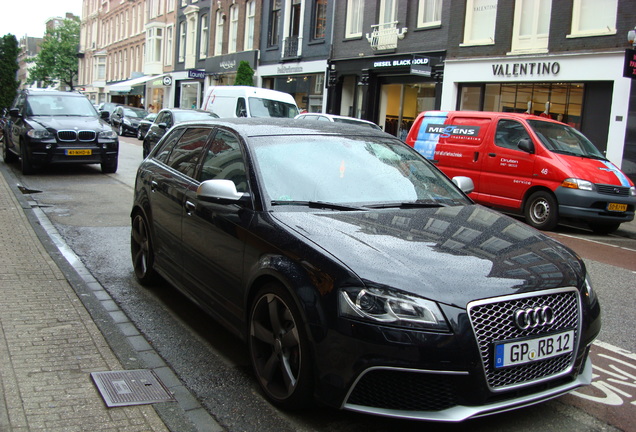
(140, 136)
(541, 211)
(143, 257)
(279, 348)
(604, 228)
(145, 148)
(25, 163)
(121, 130)
(110, 167)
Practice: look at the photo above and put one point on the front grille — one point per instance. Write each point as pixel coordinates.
(492, 321)
(404, 390)
(72, 136)
(612, 190)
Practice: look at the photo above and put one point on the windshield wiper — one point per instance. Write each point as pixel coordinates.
(407, 205)
(316, 204)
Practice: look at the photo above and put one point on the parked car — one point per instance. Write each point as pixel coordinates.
(247, 101)
(337, 119)
(166, 119)
(145, 124)
(358, 274)
(542, 169)
(108, 108)
(125, 119)
(58, 127)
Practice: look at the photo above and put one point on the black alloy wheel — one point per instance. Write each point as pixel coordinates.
(279, 349)
(141, 251)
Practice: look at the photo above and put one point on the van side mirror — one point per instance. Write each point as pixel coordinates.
(526, 145)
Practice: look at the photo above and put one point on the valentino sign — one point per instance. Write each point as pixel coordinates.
(526, 69)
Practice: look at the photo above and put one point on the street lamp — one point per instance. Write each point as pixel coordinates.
(631, 37)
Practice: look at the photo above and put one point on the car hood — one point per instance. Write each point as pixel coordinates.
(452, 254)
(69, 123)
(593, 170)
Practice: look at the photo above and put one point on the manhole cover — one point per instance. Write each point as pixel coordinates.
(133, 387)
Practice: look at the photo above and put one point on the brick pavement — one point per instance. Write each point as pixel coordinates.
(49, 344)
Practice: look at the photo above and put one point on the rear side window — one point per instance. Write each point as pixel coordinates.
(224, 160)
(509, 133)
(166, 146)
(187, 153)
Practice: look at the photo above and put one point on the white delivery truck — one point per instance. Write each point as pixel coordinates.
(245, 101)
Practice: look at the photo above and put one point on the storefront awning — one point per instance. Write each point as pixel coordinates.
(126, 86)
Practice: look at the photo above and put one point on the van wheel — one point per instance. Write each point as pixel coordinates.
(541, 211)
(604, 228)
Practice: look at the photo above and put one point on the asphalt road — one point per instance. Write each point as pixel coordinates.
(91, 213)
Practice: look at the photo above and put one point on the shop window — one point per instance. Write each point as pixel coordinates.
(479, 27)
(274, 23)
(429, 13)
(531, 26)
(320, 19)
(593, 17)
(250, 18)
(355, 12)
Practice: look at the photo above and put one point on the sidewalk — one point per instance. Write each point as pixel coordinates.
(50, 342)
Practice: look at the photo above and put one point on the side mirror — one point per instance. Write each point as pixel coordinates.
(220, 190)
(464, 183)
(104, 115)
(14, 112)
(162, 125)
(526, 145)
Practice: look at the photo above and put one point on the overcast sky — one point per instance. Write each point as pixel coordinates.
(28, 17)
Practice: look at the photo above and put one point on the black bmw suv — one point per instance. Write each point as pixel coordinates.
(50, 126)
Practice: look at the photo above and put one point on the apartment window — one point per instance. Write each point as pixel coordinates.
(531, 26)
(479, 28)
(157, 45)
(320, 19)
(388, 11)
(204, 37)
(250, 17)
(184, 3)
(274, 23)
(169, 44)
(233, 36)
(182, 41)
(355, 12)
(218, 33)
(429, 13)
(169, 5)
(593, 17)
(100, 68)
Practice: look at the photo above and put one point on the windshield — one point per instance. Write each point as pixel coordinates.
(182, 116)
(360, 171)
(260, 107)
(564, 139)
(56, 105)
(135, 112)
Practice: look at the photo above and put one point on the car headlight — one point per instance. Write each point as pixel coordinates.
(107, 134)
(573, 183)
(588, 291)
(632, 191)
(382, 306)
(39, 134)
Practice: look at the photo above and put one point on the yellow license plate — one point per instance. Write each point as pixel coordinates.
(617, 207)
(79, 152)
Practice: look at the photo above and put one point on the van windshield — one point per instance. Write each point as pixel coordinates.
(564, 139)
(260, 107)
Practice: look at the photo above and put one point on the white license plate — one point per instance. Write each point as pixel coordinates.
(521, 351)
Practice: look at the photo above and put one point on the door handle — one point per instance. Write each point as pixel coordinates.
(190, 207)
(492, 154)
(153, 186)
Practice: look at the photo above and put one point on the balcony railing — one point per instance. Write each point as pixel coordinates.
(385, 36)
(290, 47)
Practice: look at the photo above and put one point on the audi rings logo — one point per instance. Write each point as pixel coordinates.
(533, 317)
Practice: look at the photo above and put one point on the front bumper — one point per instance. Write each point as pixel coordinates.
(592, 206)
(49, 152)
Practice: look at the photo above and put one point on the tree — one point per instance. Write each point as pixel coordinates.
(8, 68)
(57, 60)
(244, 74)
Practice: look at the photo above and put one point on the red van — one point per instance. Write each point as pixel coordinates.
(534, 166)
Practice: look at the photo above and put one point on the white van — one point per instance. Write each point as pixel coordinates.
(245, 101)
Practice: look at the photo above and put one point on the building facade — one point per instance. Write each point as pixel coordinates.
(28, 47)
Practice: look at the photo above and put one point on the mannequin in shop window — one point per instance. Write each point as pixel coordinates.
(529, 110)
(546, 113)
